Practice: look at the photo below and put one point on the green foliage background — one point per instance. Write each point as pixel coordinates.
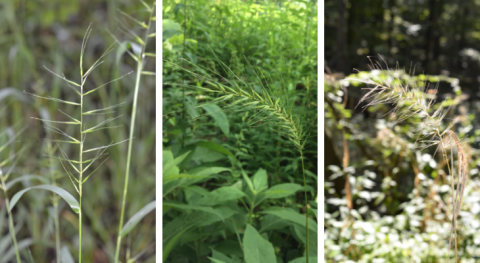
(37, 33)
(238, 161)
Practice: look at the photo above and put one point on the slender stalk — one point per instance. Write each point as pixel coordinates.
(129, 155)
(183, 55)
(80, 176)
(132, 129)
(55, 206)
(453, 189)
(250, 213)
(10, 219)
(12, 228)
(306, 202)
(57, 230)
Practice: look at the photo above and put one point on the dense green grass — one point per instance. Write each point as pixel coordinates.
(232, 169)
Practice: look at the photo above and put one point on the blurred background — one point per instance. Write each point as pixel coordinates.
(34, 34)
(386, 199)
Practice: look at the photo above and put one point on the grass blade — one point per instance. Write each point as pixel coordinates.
(137, 217)
(61, 192)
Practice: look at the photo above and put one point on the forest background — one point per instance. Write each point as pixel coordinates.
(387, 199)
(34, 34)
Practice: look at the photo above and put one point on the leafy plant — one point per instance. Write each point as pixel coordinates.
(218, 207)
(272, 111)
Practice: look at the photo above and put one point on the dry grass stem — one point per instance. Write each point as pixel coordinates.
(410, 101)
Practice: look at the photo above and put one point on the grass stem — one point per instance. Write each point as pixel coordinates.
(11, 226)
(306, 203)
(132, 130)
(55, 205)
(10, 218)
(80, 175)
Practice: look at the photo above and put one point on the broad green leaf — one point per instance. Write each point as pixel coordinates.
(220, 257)
(171, 244)
(180, 158)
(196, 192)
(216, 260)
(170, 28)
(220, 195)
(182, 180)
(230, 247)
(168, 24)
(172, 171)
(193, 176)
(312, 237)
(224, 211)
(177, 8)
(183, 176)
(66, 256)
(256, 248)
(62, 193)
(215, 147)
(304, 260)
(219, 116)
(167, 161)
(315, 212)
(137, 217)
(192, 207)
(271, 222)
(191, 105)
(206, 171)
(280, 191)
(204, 155)
(292, 216)
(249, 182)
(184, 221)
(260, 180)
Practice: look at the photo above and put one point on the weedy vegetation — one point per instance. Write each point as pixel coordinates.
(239, 140)
(411, 100)
(274, 112)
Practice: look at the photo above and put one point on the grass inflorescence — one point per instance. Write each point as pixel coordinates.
(270, 110)
(410, 101)
(76, 169)
(71, 108)
(269, 107)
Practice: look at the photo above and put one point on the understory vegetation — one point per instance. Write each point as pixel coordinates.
(401, 181)
(239, 131)
(77, 166)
